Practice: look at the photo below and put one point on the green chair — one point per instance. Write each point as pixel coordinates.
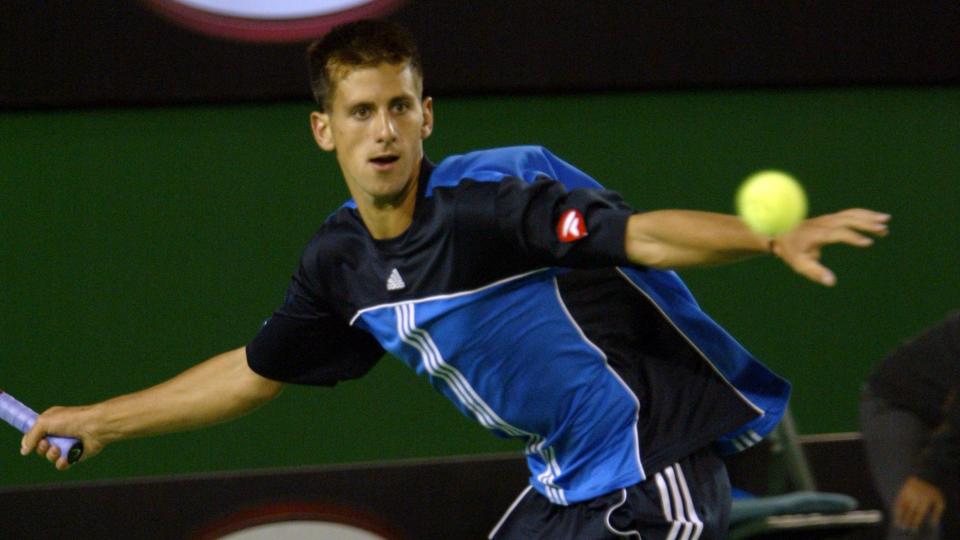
(794, 508)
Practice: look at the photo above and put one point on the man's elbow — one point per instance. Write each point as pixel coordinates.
(262, 389)
(649, 254)
(642, 247)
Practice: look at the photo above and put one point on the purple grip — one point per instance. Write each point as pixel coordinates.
(22, 417)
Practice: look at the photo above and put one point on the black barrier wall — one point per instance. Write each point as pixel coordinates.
(108, 52)
(438, 499)
(417, 500)
(138, 242)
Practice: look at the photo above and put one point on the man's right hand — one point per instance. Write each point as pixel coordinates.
(64, 421)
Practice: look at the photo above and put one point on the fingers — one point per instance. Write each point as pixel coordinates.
(806, 262)
(800, 248)
(912, 515)
(907, 513)
(811, 269)
(848, 236)
(858, 219)
(52, 454)
(917, 503)
(937, 511)
(35, 441)
(32, 439)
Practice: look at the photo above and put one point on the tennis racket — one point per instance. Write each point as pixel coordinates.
(22, 417)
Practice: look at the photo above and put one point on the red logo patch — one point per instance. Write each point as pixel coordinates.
(571, 226)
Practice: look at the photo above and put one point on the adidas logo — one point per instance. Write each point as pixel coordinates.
(395, 282)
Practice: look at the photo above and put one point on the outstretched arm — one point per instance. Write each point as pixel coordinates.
(218, 389)
(679, 238)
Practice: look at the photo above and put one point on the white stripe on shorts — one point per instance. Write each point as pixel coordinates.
(677, 504)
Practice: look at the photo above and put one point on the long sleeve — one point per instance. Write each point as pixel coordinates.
(939, 462)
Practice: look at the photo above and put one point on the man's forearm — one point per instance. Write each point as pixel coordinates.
(218, 389)
(677, 238)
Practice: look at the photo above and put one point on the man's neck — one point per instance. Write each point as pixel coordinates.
(389, 219)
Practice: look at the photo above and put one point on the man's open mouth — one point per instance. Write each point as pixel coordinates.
(385, 160)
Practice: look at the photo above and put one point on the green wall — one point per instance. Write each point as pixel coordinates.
(138, 242)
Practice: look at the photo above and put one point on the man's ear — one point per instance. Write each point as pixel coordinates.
(322, 132)
(427, 128)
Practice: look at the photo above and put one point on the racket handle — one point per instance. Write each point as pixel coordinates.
(22, 417)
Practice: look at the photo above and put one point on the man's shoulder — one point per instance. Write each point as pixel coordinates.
(492, 163)
(534, 152)
(340, 234)
(529, 163)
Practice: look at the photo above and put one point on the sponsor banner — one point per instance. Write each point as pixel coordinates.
(299, 520)
(268, 20)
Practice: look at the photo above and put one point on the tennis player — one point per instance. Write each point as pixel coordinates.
(539, 303)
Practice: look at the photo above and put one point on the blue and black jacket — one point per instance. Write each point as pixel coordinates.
(607, 372)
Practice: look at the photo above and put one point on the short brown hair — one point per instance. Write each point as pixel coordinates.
(365, 43)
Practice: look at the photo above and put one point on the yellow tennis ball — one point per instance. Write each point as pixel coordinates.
(771, 202)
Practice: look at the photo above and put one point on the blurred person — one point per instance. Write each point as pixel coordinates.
(910, 417)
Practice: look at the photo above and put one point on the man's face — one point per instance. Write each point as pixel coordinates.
(376, 124)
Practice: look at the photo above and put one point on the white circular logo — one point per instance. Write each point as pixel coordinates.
(298, 520)
(268, 20)
(302, 530)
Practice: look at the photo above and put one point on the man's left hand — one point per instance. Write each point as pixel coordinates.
(800, 248)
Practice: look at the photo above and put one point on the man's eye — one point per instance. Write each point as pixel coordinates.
(401, 107)
(361, 112)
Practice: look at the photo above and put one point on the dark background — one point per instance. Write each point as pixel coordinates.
(102, 52)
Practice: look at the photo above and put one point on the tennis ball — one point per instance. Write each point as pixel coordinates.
(771, 202)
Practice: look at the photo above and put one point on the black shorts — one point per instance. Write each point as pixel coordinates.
(689, 500)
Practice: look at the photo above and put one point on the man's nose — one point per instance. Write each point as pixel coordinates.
(386, 129)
